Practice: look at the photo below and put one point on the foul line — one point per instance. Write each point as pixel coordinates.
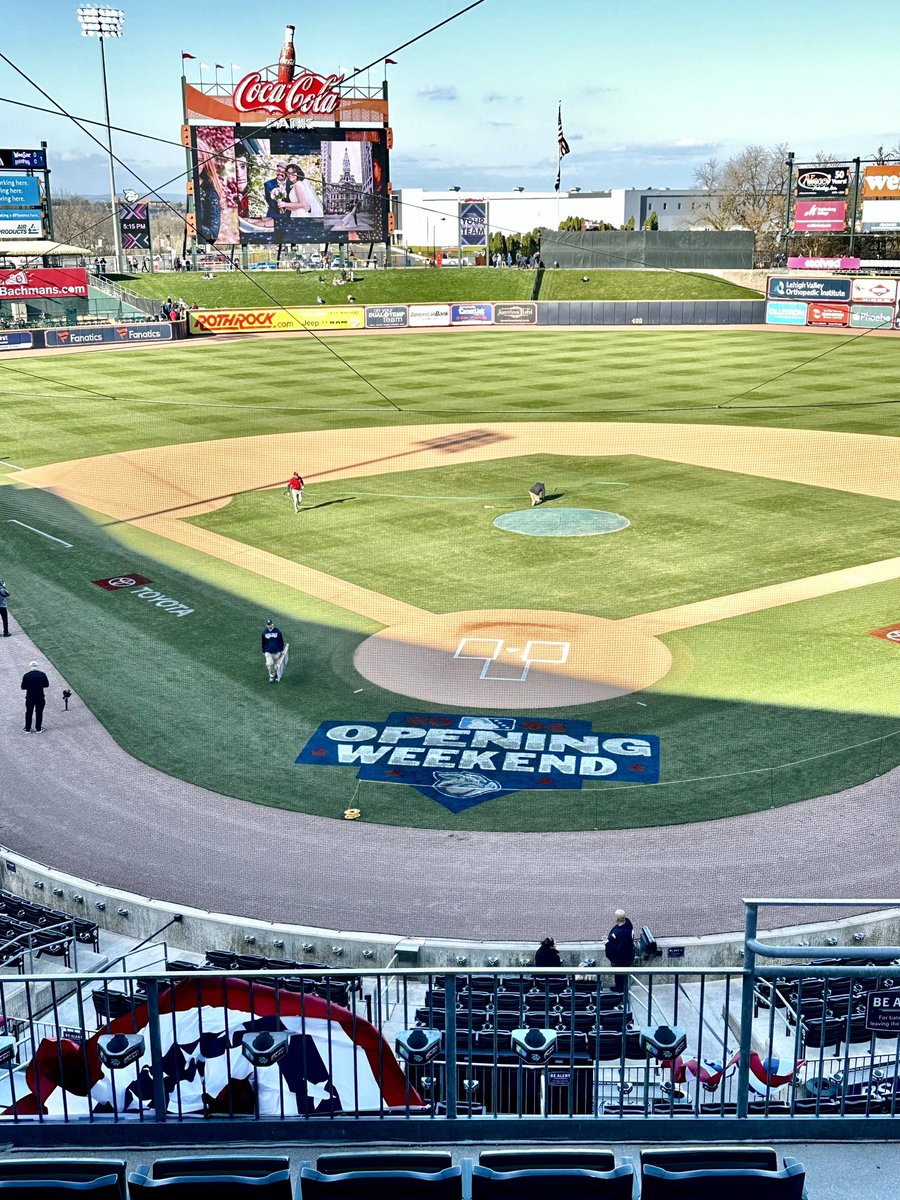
(13, 521)
(6, 463)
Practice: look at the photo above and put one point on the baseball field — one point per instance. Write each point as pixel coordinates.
(748, 479)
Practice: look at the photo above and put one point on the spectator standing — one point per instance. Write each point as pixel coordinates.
(4, 615)
(547, 954)
(620, 947)
(34, 684)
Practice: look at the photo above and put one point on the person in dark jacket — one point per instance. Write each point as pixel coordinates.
(547, 954)
(34, 684)
(4, 616)
(272, 648)
(620, 947)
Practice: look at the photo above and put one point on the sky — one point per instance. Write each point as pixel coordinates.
(648, 92)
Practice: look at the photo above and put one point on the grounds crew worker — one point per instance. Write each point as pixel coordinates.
(273, 648)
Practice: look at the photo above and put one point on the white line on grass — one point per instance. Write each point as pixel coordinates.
(7, 463)
(13, 521)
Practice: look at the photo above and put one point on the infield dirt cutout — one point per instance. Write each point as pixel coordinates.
(483, 659)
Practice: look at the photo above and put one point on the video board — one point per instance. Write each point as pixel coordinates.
(260, 185)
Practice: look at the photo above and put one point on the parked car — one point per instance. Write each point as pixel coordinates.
(264, 266)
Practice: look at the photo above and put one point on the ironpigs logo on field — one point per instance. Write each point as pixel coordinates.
(461, 761)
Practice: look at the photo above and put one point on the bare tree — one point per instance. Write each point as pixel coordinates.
(746, 192)
(80, 222)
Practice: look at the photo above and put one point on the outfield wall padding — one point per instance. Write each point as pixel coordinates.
(674, 249)
(651, 312)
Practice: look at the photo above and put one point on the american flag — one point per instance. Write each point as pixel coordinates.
(562, 145)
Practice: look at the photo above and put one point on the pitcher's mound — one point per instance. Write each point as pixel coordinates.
(509, 658)
(561, 522)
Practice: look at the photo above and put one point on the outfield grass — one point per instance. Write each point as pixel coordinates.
(254, 289)
(746, 697)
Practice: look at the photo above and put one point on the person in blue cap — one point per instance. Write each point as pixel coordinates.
(272, 648)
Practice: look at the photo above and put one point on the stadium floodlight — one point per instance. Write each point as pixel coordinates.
(103, 23)
(418, 1046)
(518, 189)
(265, 1049)
(534, 1046)
(454, 188)
(663, 1041)
(118, 1050)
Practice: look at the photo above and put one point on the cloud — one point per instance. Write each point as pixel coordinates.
(597, 91)
(495, 98)
(435, 91)
(500, 124)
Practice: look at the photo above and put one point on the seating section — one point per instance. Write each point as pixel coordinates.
(336, 988)
(19, 916)
(585, 1173)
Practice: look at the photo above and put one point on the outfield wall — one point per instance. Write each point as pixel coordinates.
(472, 314)
(125, 333)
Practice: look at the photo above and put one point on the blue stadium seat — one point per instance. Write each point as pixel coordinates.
(252, 1165)
(380, 1185)
(104, 1187)
(213, 1186)
(427, 1162)
(547, 1160)
(703, 1158)
(67, 1170)
(617, 1184)
(659, 1184)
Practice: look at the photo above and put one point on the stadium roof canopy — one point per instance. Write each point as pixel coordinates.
(38, 247)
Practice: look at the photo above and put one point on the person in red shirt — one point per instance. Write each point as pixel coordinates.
(295, 488)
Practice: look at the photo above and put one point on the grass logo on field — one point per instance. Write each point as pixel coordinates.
(463, 761)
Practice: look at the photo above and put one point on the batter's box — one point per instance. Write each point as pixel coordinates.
(489, 650)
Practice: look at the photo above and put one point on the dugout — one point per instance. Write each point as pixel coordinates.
(685, 249)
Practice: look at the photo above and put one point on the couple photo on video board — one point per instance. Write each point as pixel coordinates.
(290, 185)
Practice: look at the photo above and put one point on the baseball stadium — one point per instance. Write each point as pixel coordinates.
(382, 637)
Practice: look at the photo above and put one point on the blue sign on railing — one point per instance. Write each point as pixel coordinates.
(461, 761)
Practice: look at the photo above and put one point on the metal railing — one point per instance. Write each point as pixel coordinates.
(142, 304)
(764, 1042)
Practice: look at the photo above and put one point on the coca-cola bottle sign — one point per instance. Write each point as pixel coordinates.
(308, 94)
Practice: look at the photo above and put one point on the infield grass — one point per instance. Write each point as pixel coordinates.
(758, 711)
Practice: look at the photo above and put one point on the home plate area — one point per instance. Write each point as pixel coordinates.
(508, 658)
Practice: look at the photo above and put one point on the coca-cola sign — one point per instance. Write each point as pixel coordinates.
(309, 94)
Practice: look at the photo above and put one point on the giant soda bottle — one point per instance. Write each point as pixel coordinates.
(286, 58)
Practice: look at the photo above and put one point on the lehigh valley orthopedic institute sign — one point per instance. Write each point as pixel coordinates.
(461, 761)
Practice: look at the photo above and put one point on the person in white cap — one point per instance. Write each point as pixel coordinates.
(620, 947)
(34, 684)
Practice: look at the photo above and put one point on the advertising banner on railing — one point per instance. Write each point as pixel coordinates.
(117, 335)
(874, 291)
(799, 263)
(820, 216)
(28, 283)
(823, 181)
(510, 313)
(426, 315)
(872, 316)
(19, 339)
(471, 314)
(276, 320)
(786, 287)
(786, 312)
(828, 314)
(387, 316)
(878, 215)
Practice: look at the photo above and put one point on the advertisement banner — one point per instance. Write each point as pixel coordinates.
(823, 264)
(387, 316)
(276, 320)
(117, 335)
(828, 314)
(786, 312)
(880, 215)
(21, 223)
(823, 181)
(24, 160)
(508, 313)
(134, 221)
(19, 191)
(429, 314)
(872, 316)
(890, 633)
(48, 282)
(18, 340)
(820, 216)
(874, 291)
(473, 222)
(782, 287)
(207, 106)
(471, 314)
(881, 182)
